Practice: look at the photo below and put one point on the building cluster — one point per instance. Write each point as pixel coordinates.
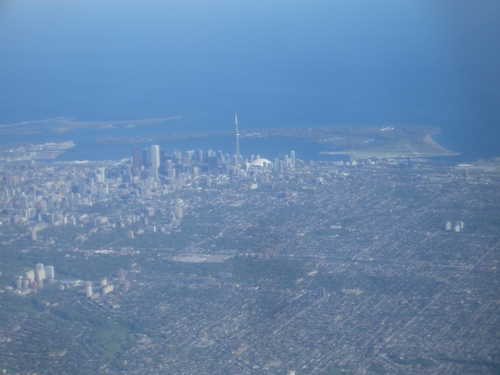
(316, 255)
(37, 196)
(181, 166)
(457, 227)
(34, 279)
(93, 290)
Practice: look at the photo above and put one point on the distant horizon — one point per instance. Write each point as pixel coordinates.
(305, 65)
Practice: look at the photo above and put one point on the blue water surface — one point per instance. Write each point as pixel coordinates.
(277, 63)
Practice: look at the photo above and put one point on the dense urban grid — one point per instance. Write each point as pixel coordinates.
(204, 263)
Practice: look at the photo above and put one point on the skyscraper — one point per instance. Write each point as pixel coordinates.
(293, 159)
(136, 158)
(146, 157)
(49, 272)
(88, 289)
(155, 156)
(100, 175)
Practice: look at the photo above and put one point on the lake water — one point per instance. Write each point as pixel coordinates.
(278, 64)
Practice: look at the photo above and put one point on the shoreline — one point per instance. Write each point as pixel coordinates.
(428, 140)
(412, 152)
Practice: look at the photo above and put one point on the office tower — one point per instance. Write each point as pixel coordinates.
(100, 175)
(170, 170)
(293, 159)
(49, 272)
(281, 166)
(155, 156)
(448, 225)
(39, 266)
(145, 158)
(88, 289)
(136, 158)
(287, 161)
(30, 275)
(200, 156)
(40, 275)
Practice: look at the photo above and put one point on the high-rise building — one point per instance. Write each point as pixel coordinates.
(155, 156)
(108, 288)
(30, 275)
(448, 225)
(122, 274)
(88, 289)
(200, 156)
(40, 275)
(145, 157)
(100, 175)
(136, 158)
(293, 159)
(49, 272)
(39, 266)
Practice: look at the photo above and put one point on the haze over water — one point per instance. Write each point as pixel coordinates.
(278, 64)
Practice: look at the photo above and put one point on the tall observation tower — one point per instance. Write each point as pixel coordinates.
(237, 141)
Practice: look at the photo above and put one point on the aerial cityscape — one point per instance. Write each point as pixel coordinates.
(249, 187)
(205, 262)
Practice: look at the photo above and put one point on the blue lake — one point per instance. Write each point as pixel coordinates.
(278, 64)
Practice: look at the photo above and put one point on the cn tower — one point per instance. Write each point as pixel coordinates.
(237, 141)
